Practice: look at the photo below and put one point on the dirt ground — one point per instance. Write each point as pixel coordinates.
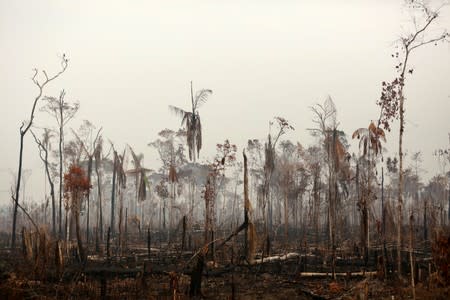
(160, 278)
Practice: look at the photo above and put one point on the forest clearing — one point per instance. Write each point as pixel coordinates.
(356, 214)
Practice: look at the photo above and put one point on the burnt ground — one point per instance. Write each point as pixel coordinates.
(166, 274)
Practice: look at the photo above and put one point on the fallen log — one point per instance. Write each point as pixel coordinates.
(277, 258)
(328, 274)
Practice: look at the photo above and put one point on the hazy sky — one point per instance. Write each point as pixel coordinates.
(130, 59)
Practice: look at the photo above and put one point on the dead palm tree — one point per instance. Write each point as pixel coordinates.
(370, 139)
(191, 119)
(370, 142)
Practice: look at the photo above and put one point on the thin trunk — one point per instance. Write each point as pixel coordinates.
(43, 149)
(448, 196)
(183, 236)
(149, 243)
(108, 247)
(100, 204)
(425, 223)
(358, 196)
(120, 220)
(366, 208)
(52, 193)
(23, 130)
(67, 222)
(79, 242)
(16, 197)
(250, 233)
(383, 224)
(286, 218)
(113, 196)
(61, 136)
(400, 188)
(411, 250)
(126, 228)
(89, 174)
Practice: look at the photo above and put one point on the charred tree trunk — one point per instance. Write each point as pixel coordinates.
(383, 224)
(60, 145)
(43, 154)
(183, 237)
(108, 245)
(52, 195)
(16, 197)
(411, 255)
(425, 223)
(23, 130)
(196, 277)
(400, 188)
(286, 218)
(113, 196)
(250, 233)
(316, 199)
(126, 228)
(89, 173)
(79, 241)
(120, 241)
(99, 204)
(148, 242)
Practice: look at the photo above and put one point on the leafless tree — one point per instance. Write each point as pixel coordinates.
(89, 143)
(44, 147)
(269, 165)
(26, 125)
(325, 117)
(63, 112)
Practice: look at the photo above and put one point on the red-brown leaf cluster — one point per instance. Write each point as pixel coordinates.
(389, 101)
(76, 185)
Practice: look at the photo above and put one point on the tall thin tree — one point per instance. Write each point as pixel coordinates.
(26, 125)
(392, 98)
(44, 147)
(88, 143)
(191, 119)
(63, 112)
(370, 143)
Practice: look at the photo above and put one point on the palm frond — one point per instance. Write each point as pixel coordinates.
(190, 136)
(186, 119)
(198, 135)
(360, 132)
(177, 111)
(136, 158)
(201, 97)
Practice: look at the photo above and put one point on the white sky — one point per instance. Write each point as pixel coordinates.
(130, 59)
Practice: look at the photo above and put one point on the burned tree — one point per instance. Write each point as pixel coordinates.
(63, 112)
(26, 125)
(269, 165)
(89, 144)
(170, 148)
(191, 120)
(76, 187)
(226, 156)
(325, 117)
(118, 183)
(44, 148)
(370, 143)
(392, 98)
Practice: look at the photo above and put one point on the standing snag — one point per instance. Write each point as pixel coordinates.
(392, 98)
(76, 188)
(41, 84)
(191, 120)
